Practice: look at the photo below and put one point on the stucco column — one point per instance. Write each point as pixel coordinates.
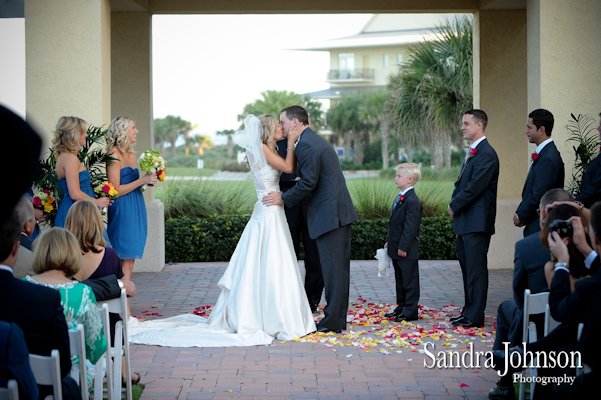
(500, 89)
(131, 88)
(67, 62)
(564, 64)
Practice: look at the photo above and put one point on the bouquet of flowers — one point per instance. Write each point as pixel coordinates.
(152, 162)
(106, 189)
(45, 202)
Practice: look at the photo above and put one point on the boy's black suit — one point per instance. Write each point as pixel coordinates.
(474, 204)
(546, 173)
(403, 234)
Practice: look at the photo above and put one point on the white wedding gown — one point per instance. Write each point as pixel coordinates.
(262, 295)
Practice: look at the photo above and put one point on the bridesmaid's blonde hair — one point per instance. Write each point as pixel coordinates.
(117, 134)
(67, 134)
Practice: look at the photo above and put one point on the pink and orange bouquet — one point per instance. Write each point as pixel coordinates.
(106, 189)
(44, 201)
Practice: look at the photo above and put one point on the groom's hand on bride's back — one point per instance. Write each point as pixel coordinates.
(273, 199)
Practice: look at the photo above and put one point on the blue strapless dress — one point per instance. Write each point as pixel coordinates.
(128, 225)
(85, 185)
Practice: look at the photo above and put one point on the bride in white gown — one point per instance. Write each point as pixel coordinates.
(262, 295)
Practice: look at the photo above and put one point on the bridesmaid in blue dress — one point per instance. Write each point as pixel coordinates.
(75, 180)
(127, 227)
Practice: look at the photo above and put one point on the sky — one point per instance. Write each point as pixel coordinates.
(206, 68)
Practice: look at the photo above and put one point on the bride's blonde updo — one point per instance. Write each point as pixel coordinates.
(117, 135)
(269, 123)
(67, 134)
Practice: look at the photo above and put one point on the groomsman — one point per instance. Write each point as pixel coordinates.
(297, 222)
(590, 193)
(473, 208)
(546, 170)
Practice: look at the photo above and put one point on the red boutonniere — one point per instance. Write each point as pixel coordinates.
(401, 198)
(535, 156)
(473, 152)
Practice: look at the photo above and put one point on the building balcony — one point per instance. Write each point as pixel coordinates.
(351, 75)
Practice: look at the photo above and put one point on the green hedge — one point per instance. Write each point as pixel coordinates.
(215, 238)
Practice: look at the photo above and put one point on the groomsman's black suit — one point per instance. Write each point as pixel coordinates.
(297, 221)
(590, 192)
(403, 234)
(474, 204)
(330, 212)
(528, 273)
(39, 313)
(546, 173)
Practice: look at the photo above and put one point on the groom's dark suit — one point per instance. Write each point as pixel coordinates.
(330, 212)
(474, 204)
(297, 222)
(546, 173)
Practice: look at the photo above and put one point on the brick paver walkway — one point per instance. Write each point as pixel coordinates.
(309, 370)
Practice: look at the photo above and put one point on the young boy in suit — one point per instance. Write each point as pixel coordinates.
(402, 242)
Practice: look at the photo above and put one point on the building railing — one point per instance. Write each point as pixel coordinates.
(351, 74)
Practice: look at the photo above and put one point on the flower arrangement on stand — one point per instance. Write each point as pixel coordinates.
(152, 162)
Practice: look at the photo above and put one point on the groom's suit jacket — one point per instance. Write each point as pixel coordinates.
(590, 192)
(546, 173)
(474, 200)
(322, 187)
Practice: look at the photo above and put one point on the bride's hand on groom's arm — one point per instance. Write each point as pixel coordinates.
(273, 199)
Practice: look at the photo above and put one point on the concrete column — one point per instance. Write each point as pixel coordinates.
(500, 89)
(131, 88)
(564, 59)
(67, 62)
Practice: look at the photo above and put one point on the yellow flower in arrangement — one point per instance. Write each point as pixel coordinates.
(44, 201)
(161, 175)
(106, 189)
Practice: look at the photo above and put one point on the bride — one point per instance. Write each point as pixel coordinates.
(262, 295)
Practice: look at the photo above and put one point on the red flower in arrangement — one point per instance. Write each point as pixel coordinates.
(534, 156)
(106, 188)
(47, 191)
(473, 152)
(36, 201)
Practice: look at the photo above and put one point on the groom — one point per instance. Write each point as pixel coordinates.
(330, 212)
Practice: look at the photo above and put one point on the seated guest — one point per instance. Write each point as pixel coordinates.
(37, 310)
(56, 258)
(24, 210)
(85, 222)
(14, 361)
(528, 273)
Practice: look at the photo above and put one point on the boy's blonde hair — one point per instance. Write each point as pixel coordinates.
(411, 170)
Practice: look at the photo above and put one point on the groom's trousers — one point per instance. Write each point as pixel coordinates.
(335, 255)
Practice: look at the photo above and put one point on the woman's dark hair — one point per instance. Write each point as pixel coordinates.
(565, 212)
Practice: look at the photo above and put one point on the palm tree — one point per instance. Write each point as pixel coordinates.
(376, 112)
(434, 87)
(230, 142)
(344, 118)
(273, 102)
(170, 129)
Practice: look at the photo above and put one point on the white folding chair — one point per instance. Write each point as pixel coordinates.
(105, 363)
(550, 322)
(533, 304)
(47, 371)
(77, 346)
(11, 391)
(120, 346)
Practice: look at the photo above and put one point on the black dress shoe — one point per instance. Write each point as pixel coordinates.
(502, 392)
(400, 318)
(457, 318)
(466, 323)
(390, 314)
(325, 329)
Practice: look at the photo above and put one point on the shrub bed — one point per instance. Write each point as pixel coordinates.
(215, 238)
